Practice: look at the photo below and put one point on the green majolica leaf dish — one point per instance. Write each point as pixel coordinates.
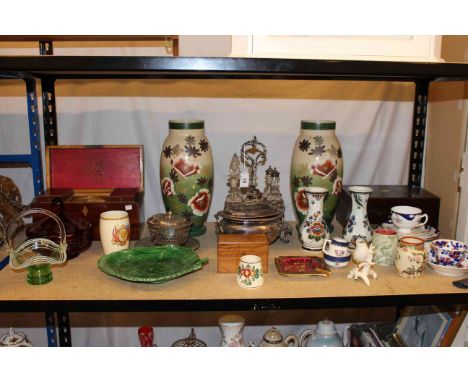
(151, 264)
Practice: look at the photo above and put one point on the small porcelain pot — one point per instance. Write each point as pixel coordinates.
(249, 272)
(325, 335)
(338, 254)
(273, 338)
(448, 252)
(114, 228)
(410, 259)
(405, 218)
(385, 243)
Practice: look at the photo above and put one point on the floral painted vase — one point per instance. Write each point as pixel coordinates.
(186, 172)
(317, 161)
(358, 223)
(232, 327)
(313, 230)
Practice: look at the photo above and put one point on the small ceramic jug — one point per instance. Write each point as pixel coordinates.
(410, 259)
(14, 339)
(338, 253)
(231, 326)
(273, 338)
(325, 335)
(385, 243)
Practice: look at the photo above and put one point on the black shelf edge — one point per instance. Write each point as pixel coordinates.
(94, 67)
(232, 305)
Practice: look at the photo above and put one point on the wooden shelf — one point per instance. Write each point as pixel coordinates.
(80, 286)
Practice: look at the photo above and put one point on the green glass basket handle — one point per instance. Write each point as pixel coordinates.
(44, 250)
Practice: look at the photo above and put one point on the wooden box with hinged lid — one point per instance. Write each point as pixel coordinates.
(94, 179)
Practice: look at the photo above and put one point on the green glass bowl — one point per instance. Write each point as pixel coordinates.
(153, 265)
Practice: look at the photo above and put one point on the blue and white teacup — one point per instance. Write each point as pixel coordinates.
(336, 252)
(450, 253)
(405, 218)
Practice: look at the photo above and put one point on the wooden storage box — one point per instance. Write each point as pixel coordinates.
(383, 198)
(231, 247)
(94, 179)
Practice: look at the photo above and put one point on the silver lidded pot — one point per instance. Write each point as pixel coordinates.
(190, 341)
(168, 228)
(248, 218)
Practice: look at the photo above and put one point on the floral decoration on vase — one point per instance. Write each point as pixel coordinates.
(186, 172)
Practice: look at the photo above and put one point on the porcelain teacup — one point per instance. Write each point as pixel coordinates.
(450, 253)
(405, 218)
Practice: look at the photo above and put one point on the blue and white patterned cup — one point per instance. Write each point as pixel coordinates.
(336, 252)
(450, 253)
(405, 218)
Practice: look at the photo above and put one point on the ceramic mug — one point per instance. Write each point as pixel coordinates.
(410, 259)
(114, 228)
(447, 252)
(338, 254)
(407, 218)
(385, 243)
(249, 272)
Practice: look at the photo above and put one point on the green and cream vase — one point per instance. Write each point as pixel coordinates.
(186, 172)
(317, 161)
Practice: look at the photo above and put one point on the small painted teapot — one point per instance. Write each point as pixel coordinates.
(14, 339)
(325, 335)
(273, 338)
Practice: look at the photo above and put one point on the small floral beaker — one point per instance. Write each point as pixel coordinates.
(249, 272)
(410, 258)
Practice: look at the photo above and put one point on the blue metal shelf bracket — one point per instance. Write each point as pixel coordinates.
(34, 137)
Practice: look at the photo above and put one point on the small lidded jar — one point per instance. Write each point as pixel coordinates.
(168, 228)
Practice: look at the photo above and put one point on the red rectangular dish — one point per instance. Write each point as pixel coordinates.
(301, 266)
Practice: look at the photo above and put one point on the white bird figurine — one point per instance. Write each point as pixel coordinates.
(362, 257)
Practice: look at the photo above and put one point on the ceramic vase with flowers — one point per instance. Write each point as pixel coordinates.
(317, 161)
(186, 172)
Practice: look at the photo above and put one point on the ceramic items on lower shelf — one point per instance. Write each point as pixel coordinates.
(385, 242)
(232, 328)
(15, 339)
(325, 335)
(358, 223)
(313, 230)
(274, 338)
(410, 259)
(191, 341)
(186, 172)
(336, 252)
(37, 254)
(317, 161)
(146, 336)
(363, 256)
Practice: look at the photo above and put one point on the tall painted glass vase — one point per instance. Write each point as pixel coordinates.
(186, 172)
(358, 223)
(317, 161)
(313, 230)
